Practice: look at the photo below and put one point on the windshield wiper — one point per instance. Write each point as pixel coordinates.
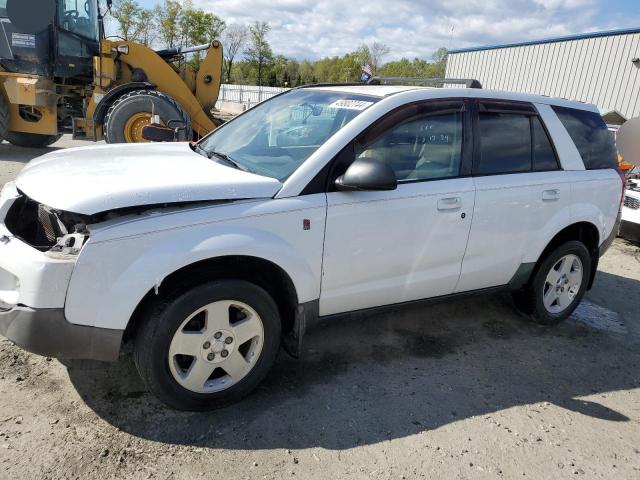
(199, 150)
(228, 159)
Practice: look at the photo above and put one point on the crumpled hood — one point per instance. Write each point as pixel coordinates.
(96, 179)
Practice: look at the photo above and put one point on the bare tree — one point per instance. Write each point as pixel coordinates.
(378, 51)
(234, 39)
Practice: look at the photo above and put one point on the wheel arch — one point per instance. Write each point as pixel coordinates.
(113, 95)
(264, 273)
(585, 232)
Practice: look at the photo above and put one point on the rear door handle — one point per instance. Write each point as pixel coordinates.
(551, 195)
(450, 203)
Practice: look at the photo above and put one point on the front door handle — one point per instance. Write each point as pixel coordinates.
(551, 195)
(450, 203)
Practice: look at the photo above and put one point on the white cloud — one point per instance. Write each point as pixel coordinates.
(304, 29)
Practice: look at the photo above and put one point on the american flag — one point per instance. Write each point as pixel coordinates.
(366, 68)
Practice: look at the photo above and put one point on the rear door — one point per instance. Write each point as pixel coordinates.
(520, 192)
(395, 246)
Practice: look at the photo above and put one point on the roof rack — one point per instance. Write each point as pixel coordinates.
(467, 82)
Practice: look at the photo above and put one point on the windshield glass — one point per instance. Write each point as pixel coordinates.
(3, 8)
(79, 17)
(276, 137)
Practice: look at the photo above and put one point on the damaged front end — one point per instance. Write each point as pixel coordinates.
(59, 234)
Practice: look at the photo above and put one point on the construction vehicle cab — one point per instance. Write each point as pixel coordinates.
(59, 74)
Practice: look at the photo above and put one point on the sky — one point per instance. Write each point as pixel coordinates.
(416, 28)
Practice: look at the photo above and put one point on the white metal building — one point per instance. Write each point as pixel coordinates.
(601, 68)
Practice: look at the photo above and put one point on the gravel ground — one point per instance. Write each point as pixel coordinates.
(464, 389)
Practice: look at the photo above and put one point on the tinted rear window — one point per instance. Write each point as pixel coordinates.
(589, 132)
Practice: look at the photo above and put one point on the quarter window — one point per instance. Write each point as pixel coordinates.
(591, 136)
(421, 142)
(544, 156)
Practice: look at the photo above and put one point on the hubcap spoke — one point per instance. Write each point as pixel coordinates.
(195, 378)
(247, 329)
(187, 343)
(565, 266)
(236, 366)
(218, 315)
(550, 297)
(553, 277)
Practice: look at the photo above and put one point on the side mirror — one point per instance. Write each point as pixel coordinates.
(367, 174)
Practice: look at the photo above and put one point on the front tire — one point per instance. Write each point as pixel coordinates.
(31, 140)
(210, 346)
(127, 117)
(558, 285)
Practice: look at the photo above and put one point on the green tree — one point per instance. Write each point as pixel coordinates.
(146, 27)
(168, 21)
(259, 52)
(126, 13)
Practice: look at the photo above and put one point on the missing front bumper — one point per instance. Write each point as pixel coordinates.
(47, 332)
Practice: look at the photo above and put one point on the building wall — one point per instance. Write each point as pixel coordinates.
(595, 70)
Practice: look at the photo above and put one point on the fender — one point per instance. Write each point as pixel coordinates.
(105, 294)
(112, 95)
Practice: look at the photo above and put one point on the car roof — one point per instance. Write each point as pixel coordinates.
(382, 91)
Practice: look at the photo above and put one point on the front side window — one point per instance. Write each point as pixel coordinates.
(591, 136)
(79, 17)
(276, 137)
(420, 142)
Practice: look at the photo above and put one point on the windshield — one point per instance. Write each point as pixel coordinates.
(276, 137)
(3, 8)
(79, 17)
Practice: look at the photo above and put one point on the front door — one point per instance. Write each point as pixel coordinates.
(395, 246)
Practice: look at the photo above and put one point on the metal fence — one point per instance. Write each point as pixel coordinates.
(247, 95)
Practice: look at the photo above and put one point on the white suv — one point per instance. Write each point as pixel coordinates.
(318, 202)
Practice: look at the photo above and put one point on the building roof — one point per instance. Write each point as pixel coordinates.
(582, 36)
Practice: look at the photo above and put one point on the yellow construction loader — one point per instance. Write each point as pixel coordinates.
(59, 74)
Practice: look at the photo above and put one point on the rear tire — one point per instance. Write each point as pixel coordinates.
(131, 112)
(209, 346)
(4, 118)
(558, 285)
(31, 140)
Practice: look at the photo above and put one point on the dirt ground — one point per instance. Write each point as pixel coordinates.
(465, 389)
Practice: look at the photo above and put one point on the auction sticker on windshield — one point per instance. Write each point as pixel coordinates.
(350, 104)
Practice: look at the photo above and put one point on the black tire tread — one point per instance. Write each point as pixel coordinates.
(31, 140)
(137, 93)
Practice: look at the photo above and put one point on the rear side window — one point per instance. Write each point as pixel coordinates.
(590, 135)
(512, 139)
(505, 143)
